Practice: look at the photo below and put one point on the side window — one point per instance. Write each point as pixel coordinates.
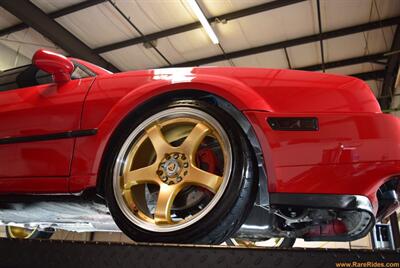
(8, 79)
(25, 76)
(30, 75)
(42, 77)
(79, 73)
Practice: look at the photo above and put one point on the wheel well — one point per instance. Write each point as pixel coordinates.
(262, 196)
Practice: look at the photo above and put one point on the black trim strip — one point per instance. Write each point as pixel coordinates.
(55, 136)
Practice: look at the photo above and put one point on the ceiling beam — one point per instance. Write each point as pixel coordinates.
(392, 67)
(195, 25)
(13, 29)
(321, 41)
(295, 42)
(56, 14)
(38, 20)
(345, 62)
(372, 75)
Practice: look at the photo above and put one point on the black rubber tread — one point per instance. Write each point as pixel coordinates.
(235, 203)
(240, 210)
(287, 242)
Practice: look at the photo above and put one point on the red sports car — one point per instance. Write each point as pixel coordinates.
(194, 155)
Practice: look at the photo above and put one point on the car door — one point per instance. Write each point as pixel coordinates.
(36, 120)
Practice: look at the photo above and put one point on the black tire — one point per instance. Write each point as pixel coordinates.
(232, 208)
(31, 233)
(287, 243)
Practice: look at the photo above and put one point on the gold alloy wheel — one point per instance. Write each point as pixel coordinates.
(20, 232)
(161, 154)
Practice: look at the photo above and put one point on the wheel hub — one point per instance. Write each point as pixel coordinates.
(173, 168)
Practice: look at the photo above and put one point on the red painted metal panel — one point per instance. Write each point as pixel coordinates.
(349, 154)
(45, 185)
(40, 110)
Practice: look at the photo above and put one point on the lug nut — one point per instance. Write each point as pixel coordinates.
(170, 182)
(178, 179)
(185, 165)
(176, 156)
(183, 157)
(167, 156)
(185, 173)
(159, 172)
(165, 178)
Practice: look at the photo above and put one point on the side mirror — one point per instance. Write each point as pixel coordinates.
(56, 64)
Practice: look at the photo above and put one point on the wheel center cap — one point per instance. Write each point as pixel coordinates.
(171, 167)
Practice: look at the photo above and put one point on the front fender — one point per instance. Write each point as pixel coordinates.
(112, 98)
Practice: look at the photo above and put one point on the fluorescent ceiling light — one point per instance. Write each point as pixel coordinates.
(206, 25)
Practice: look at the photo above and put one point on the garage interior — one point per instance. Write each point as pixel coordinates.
(360, 38)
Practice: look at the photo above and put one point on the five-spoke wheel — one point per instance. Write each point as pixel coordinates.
(178, 172)
(164, 161)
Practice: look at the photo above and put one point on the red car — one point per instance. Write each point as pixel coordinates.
(194, 155)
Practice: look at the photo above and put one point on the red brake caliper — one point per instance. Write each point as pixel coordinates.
(207, 160)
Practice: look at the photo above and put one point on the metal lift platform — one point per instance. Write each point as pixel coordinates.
(58, 254)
